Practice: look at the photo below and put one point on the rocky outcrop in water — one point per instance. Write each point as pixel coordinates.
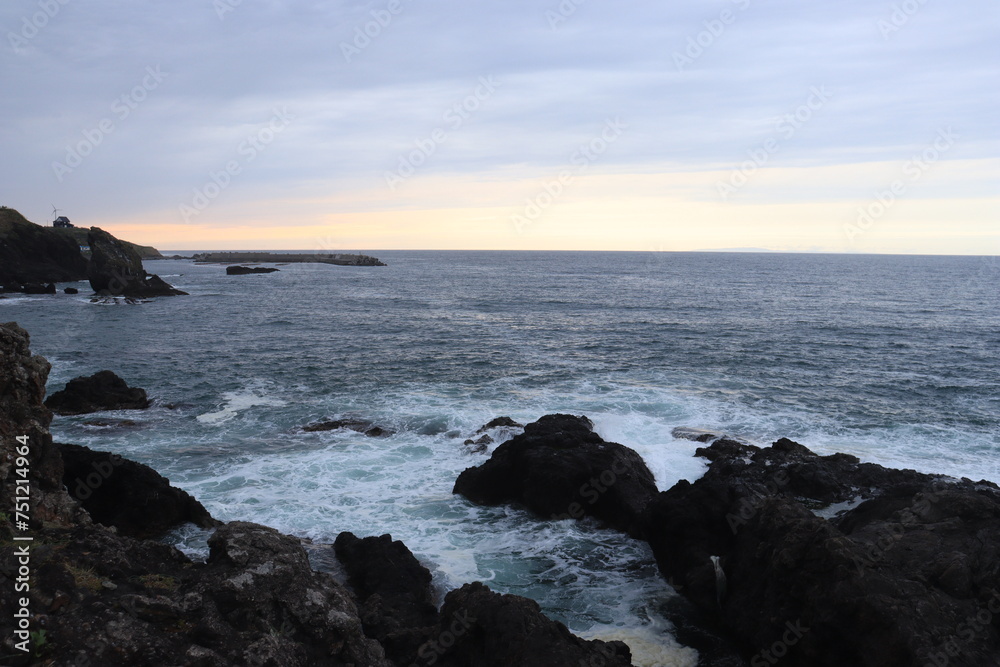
(246, 270)
(907, 577)
(559, 468)
(101, 391)
(358, 425)
(474, 627)
(115, 269)
(133, 498)
(486, 629)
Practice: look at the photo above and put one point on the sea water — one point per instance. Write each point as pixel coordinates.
(890, 358)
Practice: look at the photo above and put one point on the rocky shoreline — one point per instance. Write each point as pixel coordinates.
(781, 556)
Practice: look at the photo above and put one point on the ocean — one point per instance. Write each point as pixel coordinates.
(890, 358)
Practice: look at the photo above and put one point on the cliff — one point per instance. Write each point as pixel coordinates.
(31, 253)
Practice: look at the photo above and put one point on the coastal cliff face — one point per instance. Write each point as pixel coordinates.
(22, 414)
(115, 269)
(30, 253)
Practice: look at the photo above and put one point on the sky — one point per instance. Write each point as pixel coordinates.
(849, 126)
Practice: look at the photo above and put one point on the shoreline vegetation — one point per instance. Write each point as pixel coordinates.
(777, 554)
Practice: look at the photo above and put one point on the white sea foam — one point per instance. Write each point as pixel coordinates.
(236, 402)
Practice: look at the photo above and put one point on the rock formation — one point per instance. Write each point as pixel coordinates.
(358, 425)
(245, 270)
(30, 253)
(559, 468)
(121, 493)
(115, 269)
(394, 593)
(474, 627)
(101, 391)
(907, 577)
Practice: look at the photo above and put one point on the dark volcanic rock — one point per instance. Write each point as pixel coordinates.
(482, 628)
(115, 601)
(38, 288)
(133, 498)
(245, 270)
(22, 387)
(115, 269)
(101, 391)
(359, 425)
(71, 290)
(393, 590)
(498, 422)
(892, 582)
(479, 445)
(559, 468)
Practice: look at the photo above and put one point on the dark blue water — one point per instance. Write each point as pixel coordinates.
(891, 358)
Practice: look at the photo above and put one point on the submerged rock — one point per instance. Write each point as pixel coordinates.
(358, 425)
(892, 582)
(133, 498)
(115, 269)
(101, 391)
(559, 468)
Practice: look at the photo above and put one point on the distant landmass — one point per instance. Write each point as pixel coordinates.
(340, 259)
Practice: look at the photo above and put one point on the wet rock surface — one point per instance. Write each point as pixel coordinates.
(559, 468)
(359, 425)
(757, 545)
(101, 391)
(132, 497)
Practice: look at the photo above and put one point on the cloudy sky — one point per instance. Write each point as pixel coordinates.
(849, 126)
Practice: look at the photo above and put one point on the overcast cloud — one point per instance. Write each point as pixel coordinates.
(182, 85)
